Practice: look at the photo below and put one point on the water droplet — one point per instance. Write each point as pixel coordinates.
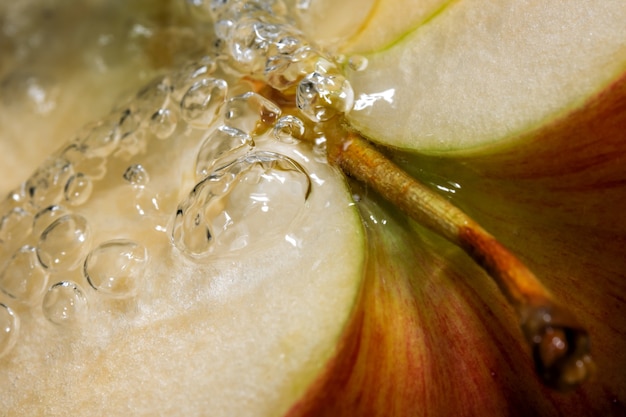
(24, 278)
(15, 225)
(251, 113)
(289, 60)
(9, 328)
(221, 147)
(357, 63)
(252, 200)
(65, 303)
(63, 245)
(78, 189)
(320, 97)
(46, 185)
(116, 268)
(137, 175)
(248, 43)
(45, 217)
(146, 203)
(202, 102)
(152, 97)
(163, 123)
(92, 166)
(289, 129)
(101, 138)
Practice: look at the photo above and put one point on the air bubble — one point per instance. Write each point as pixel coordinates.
(92, 166)
(251, 113)
(101, 139)
(289, 129)
(46, 217)
(321, 97)
(63, 245)
(9, 328)
(163, 123)
(250, 201)
(222, 146)
(116, 268)
(15, 225)
(78, 189)
(46, 185)
(24, 278)
(136, 175)
(202, 102)
(357, 63)
(65, 303)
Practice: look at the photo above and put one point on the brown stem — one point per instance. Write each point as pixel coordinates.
(559, 344)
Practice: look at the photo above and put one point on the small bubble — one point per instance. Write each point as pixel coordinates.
(289, 129)
(24, 278)
(78, 189)
(46, 185)
(251, 113)
(116, 268)
(63, 245)
(9, 328)
(250, 201)
(101, 138)
(45, 217)
(136, 175)
(221, 147)
(15, 225)
(65, 303)
(321, 97)
(163, 123)
(92, 166)
(202, 102)
(357, 63)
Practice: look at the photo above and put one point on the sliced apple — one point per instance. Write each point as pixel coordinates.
(145, 271)
(478, 75)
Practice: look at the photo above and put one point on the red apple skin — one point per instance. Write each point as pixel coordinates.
(433, 337)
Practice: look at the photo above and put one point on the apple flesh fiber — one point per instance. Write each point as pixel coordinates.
(429, 334)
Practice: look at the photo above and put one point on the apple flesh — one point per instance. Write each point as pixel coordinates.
(150, 315)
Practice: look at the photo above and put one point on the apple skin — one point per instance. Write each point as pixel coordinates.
(432, 335)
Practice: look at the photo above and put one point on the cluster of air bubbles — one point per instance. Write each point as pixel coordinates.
(60, 249)
(263, 189)
(259, 41)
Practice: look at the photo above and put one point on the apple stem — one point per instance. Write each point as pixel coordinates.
(560, 346)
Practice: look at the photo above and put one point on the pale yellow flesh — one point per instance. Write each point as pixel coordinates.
(481, 72)
(239, 334)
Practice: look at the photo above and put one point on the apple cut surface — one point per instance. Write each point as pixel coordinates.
(180, 256)
(479, 74)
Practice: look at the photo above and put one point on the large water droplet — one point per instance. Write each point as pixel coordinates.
(64, 244)
(45, 217)
(9, 328)
(92, 166)
(65, 303)
(202, 102)
(15, 226)
(321, 97)
(116, 268)
(78, 189)
(24, 278)
(250, 201)
(251, 113)
(221, 147)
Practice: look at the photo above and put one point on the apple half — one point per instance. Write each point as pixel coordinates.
(408, 326)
